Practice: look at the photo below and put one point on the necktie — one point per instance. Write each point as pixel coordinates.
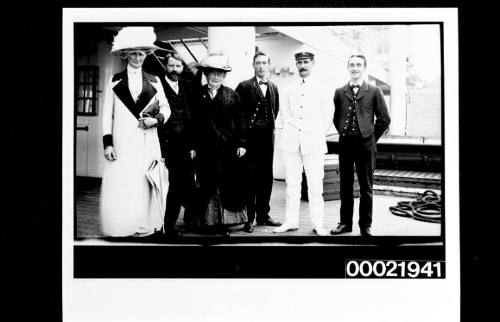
(263, 83)
(355, 88)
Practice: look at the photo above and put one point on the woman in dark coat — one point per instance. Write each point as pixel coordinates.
(220, 135)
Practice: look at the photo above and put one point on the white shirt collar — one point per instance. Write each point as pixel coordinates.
(306, 80)
(261, 79)
(358, 83)
(263, 87)
(134, 71)
(171, 82)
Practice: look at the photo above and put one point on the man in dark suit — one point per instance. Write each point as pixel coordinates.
(260, 103)
(356, 104)
(177, 144)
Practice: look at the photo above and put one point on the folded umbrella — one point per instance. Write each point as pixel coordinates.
(157, 175)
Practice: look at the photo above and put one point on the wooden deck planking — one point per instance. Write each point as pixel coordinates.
(384, 223)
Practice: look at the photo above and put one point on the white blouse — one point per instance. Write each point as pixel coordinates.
(134, 81)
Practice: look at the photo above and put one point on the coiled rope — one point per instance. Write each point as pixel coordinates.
(427, 208)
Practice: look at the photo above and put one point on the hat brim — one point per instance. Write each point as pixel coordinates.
(124, 51)
(304, 57)
(224, 69)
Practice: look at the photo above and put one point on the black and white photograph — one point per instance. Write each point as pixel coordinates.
(278, 153)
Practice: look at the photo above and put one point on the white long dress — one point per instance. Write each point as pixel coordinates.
(128, 204)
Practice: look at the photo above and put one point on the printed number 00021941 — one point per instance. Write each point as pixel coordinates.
(393, 269)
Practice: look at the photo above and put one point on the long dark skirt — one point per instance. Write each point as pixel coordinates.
(223, 188)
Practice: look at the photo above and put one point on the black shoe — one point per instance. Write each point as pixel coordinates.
(341, 228)
(225, 233)
(268, 222)
(172, 233)
(156, 237)
(248, 228)
(365, 231)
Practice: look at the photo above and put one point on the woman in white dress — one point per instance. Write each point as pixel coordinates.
(134, 106)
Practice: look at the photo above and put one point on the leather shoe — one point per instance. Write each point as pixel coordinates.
(172, 233)
(320, 231)
(365, 231)
(285, 227)
(225, 233)
(268, 222)
(341, 228)
(248, 228)
(156, 237)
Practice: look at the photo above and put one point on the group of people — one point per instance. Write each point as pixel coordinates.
(218, 143)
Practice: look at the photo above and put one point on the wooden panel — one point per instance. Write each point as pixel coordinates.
(331, 181)
(82, 147)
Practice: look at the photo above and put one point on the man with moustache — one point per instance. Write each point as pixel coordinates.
(307, 113)
(260, 103)
(177, 144)
(356, 104)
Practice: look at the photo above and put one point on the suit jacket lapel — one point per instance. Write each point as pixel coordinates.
(363, 90)
(272, 96)
(122, 91)
(182, 92)
(347, 92)
(148, 92)
(172, 91)
(256, 87)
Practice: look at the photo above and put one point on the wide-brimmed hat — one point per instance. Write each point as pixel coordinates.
(134, 38)
(216, 61)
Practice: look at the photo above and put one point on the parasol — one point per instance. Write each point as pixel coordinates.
(157, 175)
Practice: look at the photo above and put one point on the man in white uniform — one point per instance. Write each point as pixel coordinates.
(307, 112)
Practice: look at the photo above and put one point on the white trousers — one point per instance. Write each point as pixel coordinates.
(314, 168)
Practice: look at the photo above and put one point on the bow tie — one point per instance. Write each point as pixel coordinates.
(263, 83)
(355, 86)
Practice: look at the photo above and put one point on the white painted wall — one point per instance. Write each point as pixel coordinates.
(238, 44)
(89, 151)
(397, 79)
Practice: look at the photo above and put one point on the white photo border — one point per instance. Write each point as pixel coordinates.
(292, 299)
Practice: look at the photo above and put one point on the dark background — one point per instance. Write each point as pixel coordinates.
(34, 149)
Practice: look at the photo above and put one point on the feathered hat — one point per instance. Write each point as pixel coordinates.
(216, 61)
(134, 38)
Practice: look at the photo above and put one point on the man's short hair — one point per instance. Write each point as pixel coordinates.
(174, 56)
(358, 56)
(261, 53)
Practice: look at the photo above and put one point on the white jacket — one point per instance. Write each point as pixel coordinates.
(306, 110)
